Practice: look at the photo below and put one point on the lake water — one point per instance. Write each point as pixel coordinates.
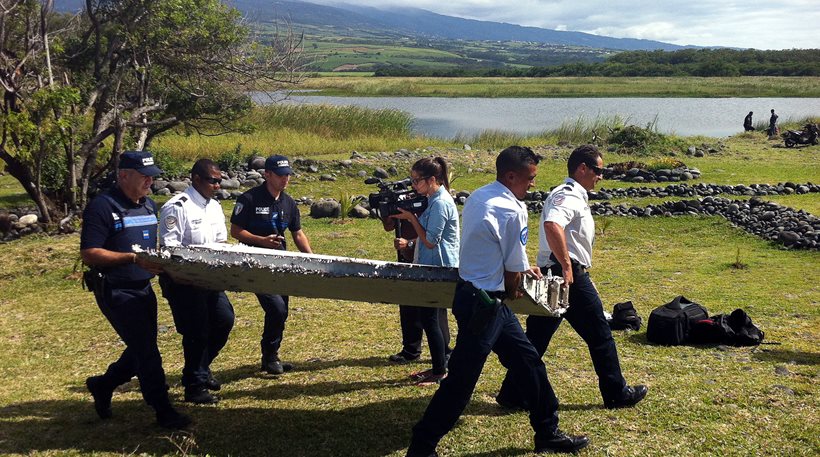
(449, 117)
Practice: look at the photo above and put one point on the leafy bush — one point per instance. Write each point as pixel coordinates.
(170, 165)
(232, 159)
(664, 163)
(643, 141)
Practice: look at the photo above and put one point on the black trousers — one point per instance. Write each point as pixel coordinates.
(586, 316)
(132, 312)
(413, 320)
(276, 314)
(504, 336)
(204, 318)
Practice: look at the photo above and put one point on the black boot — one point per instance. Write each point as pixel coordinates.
(199, 394)
(271, 363)
(102, 393)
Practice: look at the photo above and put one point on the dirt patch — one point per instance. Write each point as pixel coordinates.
(347, 67)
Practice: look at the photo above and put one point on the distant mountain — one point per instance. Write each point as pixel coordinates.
(414, 23)
(422, 22)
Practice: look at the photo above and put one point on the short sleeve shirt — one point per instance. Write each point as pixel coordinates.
(190, 219)
(568, 206)
(494, 237)
(440, 223)
(259, 213)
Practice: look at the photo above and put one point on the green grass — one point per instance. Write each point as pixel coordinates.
(346, 400)
(568, 87)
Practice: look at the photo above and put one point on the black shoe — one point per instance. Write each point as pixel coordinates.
(402, 358)
(101, 394)
(199, 395)
(168, 417)
(560, 442)
(631, 396)
(509, 404)
(212, 383)
(272, 365)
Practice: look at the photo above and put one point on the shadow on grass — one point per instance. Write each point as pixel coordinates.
(374, 429)
(786, 356)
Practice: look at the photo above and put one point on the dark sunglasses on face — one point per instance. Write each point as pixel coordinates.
(211, 179)
(598, 170)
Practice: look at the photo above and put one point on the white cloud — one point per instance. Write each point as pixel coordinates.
(761, 24)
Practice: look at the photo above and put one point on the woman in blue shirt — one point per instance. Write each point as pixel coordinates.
(437, 244)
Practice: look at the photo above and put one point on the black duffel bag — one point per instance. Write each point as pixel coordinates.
(670, 324)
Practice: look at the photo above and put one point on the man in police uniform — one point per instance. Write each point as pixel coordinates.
(493, 259)
(260, 218)
(112, 223)
(565, 247)
(203, 317)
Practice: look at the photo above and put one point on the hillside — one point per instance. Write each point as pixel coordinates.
(397, 40)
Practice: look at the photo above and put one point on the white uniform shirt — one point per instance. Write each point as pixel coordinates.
(568, 206)
(188, 219)
(494, 237)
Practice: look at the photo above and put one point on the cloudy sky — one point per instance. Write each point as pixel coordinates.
(776, 24)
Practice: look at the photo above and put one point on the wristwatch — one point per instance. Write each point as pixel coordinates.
(411, 244)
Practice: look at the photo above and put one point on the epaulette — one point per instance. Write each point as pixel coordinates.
(567, 187)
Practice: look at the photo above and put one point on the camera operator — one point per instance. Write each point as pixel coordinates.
(411, 326)
(437, 244)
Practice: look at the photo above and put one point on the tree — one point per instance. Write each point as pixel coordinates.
(126, 71)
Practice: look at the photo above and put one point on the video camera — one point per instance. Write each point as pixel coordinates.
(394, 195)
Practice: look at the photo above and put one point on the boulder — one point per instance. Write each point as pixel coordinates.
(380, 173)
(27, 220)
(325, 208)
(256, 163)
(229, 184)
(177, 186)
(359, 212)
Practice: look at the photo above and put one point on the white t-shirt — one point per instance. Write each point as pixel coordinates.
(189, 219)
(568, 206)
(494, 237)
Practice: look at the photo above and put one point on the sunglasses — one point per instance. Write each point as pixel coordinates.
(210, 179)
(598, 170)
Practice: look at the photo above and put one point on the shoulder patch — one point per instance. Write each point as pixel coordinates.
(238, 208)
(558, 198)
(524, 235)
(170, 222)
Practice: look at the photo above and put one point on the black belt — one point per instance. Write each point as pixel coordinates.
(573, 262)
(499, 294)
(116, 284)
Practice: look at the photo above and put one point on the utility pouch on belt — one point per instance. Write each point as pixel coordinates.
(93, 281)
(485, 310)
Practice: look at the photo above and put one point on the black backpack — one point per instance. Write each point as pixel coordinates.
(735, 329)
(670, 324)
(625, 317)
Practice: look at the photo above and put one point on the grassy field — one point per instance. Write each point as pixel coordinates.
(344, 399)
(568, 87)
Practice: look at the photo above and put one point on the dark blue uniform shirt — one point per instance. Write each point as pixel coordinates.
(257, 212)
(112, 221)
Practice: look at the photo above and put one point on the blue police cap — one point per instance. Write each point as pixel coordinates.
(142, 161)
(279, 165)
